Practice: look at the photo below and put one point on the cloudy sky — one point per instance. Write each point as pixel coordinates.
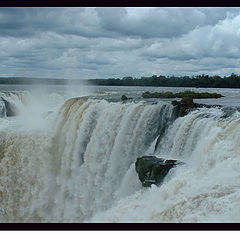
(117, 42)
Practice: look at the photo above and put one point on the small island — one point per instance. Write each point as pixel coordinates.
(189, 94)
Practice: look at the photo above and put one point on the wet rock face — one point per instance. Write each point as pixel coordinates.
(152, 170)
(2, 109)
(184, 106)
(124, 97)
(10, 110)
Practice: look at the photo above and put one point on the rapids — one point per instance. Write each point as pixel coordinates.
(72, 160)
(206, 189)
(75, 161)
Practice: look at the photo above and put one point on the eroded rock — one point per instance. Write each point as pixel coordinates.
(10, 109)
(152, 170)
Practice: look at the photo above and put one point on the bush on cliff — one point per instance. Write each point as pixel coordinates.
(190, 94)
(182, 107)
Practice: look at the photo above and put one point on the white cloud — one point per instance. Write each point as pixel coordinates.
(116, 42)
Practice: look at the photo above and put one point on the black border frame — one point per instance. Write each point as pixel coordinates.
(118, 226)
(119, 3)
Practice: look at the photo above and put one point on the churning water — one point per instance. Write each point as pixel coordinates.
(72, 160)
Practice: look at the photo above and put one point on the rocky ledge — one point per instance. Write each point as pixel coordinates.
(152, 170)
(10, 109)
(124, 98)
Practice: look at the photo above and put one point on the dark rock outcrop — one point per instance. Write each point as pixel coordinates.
(184, 106)
(124, 97)
(187, 93)
(2, 109)
(152, 170)
(10, 108)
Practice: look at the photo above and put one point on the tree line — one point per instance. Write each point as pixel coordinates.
(199, 81)
(25, 80)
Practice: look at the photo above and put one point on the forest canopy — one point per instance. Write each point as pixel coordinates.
(232, 81)
(199, 81)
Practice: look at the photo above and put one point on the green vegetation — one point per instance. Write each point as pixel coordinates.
(187, 101)
(185, 104)
(190, 94)
(202, 81)
(182, 107)
(199, 81)
(158, 95)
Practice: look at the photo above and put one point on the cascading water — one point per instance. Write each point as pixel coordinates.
(205, 189)
(77, 161)
(73, 161)
(10, 102)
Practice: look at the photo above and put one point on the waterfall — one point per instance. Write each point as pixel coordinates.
(10, 102)
(205, 189)
(74, 161)
(78, 161)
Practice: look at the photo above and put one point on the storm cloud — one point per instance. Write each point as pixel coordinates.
(117, 42)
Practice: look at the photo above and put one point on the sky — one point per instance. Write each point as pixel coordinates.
(84, 43)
